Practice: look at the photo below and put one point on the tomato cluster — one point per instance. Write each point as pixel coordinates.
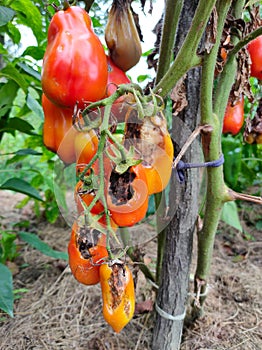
(116, 171)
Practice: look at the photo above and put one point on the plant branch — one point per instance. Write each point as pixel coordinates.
(187, 56)
(125, 237)
(232, 196)
(245, 41)
(216, 187)
(172, 12)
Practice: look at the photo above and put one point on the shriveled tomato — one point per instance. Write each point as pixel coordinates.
(153, 145)
(122, 37)
(118, 294)
(86, 145)
(127, 196)
(58, 132)
(74, 64)
(86, 250)
(234, 118)
(255, 52)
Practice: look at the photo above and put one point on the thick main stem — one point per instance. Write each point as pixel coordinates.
(187, 56)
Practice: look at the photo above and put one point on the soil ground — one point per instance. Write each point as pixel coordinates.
(57, 312)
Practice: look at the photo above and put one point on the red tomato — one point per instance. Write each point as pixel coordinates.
(74, 64)
(234, 118)
(58, 133)
(255, 52)
(86, 250)
(127, 196)
(116, 77)
(118, 294)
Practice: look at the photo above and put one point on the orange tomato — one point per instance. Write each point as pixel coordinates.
(86, 250)
(153, 145)
(127, 196)
(58, 133)
(118, 294)
(86, 145)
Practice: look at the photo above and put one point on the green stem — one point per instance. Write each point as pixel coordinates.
(245, 41)
(125, 237)
(216, 188)
(187, 56)
(172, 12)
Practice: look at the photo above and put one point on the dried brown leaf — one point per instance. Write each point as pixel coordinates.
(178, 96)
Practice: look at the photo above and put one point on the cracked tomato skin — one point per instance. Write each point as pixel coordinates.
(118, 294)
(234, 118)
(58, 133)
(74, 64)
(85, 257)
(255, 51)
(128, 211)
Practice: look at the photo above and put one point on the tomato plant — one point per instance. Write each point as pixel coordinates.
(255, 52)
(74, 65)
(127, 196)
(86, 250)
(118, 294)
(234, 117)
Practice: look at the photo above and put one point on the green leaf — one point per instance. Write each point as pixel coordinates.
(21, 186)
(40, 245)
(6, 290)
(28, 151)
(14, 33)
(29, 70)
(8, 93)
(230, 215)
(35, 106)
(29, 15)
(34, 51)
(11, 73)
(19, 125)
(6, 15)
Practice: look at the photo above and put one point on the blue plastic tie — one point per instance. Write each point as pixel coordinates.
(182, 166)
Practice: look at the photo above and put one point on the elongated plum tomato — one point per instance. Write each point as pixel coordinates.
(58, 133)
(154, 146)
(255, 52)
(74, 64)
(234, 118)
(86, 250)
(118, 294)
(127, 196)
(86, 145)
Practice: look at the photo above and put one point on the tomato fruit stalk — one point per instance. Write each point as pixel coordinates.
(118, 294)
